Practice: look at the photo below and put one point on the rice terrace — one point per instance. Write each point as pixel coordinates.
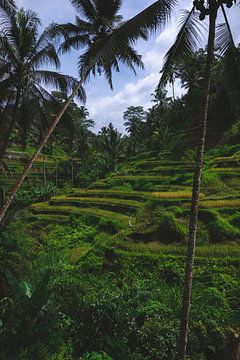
(119, 180)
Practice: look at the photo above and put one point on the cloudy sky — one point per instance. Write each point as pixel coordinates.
(103, 104)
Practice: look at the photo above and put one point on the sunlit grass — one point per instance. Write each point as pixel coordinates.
(76, 254)
(221, 203)
(111, 203)
(44, 208)
(231, 250)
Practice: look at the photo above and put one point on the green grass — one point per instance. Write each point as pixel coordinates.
(208, 251)
(58, 219)
(133, 195)
(44, 208)
(224, 203)
(105, 203)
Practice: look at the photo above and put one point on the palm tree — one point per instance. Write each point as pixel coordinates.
(185, 44)
(134, 118)
(111, 144)
(104, 51)
(22, 76)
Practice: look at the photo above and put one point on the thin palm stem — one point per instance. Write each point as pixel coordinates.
(186, 304)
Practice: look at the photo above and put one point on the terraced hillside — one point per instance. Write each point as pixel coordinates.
(117, 249)
(161, 189)
(46, 170)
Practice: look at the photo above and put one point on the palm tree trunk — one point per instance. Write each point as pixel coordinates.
(29, 165)
(6, 129)
(173, 89)
(186, 304)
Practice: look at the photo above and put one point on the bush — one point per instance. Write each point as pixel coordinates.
(212, 183)
(142, 185)
(96, 356)
(155, 224)
(170, 229)
(188, 156)
(92, 263)
(35, 194)
(202, 234)
(17, 248)
(220, 229)
(235, 219)
(110, 226)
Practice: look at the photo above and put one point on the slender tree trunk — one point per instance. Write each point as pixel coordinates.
(186, 304)
(4, 137)
(173, 89)
(3, 129)
(6, 130)
(72, 172)
(29, 165)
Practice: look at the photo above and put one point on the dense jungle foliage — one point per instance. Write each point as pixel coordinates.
(93, 247)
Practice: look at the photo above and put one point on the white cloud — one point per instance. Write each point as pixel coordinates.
(110, 109)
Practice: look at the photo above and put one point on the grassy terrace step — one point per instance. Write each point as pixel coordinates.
(226, 171)
(159, 170)
(133, 195)
(233, 161)
(45, 208)
(153, 179)
(49, 218)
(224, 203)
(111, 204)
(154, 161)
(212, 251)
(223, 206)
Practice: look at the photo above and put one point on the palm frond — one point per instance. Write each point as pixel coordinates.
(85, 8)
(77, 42)
(8, 5)
(155, 16)
(61, 82)
(231, 55)
(186, 43)
(126, 55)
(47, 55)
(149, 20)
(49, 35)
(108, 8)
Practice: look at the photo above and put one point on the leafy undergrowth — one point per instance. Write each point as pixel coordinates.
(122, 301)
(117, 256)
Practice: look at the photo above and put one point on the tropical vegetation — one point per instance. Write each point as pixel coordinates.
(115, 245)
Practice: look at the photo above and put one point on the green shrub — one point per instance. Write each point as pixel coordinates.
(142, 185)
(235, 219)
(188, 156)
(202, 234)
(117, 183)
(212, 183)
(72, 235)
(92, 263)
(155, 224)
(220, 229)
(96, 356)
(170, 229)
(35, 194)
(111, 226)
(17, 248)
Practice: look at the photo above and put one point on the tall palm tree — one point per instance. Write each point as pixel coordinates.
(134, 118)
(111, 144)
(186, 43)
(22, 76)
(104, 52)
